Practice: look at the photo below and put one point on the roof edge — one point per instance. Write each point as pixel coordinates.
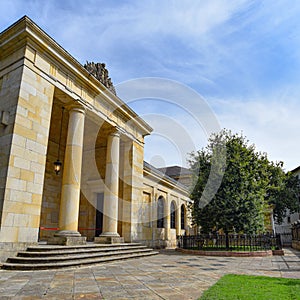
(25, 26)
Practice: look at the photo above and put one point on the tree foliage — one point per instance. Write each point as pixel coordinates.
(283, 191)
(247, 185)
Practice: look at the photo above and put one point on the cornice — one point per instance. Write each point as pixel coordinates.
(25, 31)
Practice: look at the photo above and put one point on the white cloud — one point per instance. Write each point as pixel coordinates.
(182, 120)
(273, 126)
(141, 34)
(233, 50)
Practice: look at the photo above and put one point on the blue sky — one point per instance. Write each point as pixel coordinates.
(242, 57)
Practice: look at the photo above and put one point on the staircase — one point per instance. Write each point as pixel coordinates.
(52, 256)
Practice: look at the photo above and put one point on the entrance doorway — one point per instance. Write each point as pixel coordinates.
(99, 213)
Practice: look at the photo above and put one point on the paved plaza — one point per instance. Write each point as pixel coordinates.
(169, 275)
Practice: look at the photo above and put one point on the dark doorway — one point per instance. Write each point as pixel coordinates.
(99, 214)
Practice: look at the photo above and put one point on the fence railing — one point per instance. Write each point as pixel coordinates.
(236, 242)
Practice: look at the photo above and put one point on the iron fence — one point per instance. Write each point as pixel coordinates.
(236, 242)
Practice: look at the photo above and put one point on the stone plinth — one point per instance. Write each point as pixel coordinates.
(296, 244)
(109, 240)
(67, 240)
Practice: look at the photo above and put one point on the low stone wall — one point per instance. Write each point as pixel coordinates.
(230, 253)
(155, 244)
(296, 244)
(11, 249)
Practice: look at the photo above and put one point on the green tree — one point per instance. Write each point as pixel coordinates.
(247, 185)
(283, 191)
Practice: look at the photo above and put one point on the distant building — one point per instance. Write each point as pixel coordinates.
(180, 174)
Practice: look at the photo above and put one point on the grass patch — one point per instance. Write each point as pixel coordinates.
(244, 287)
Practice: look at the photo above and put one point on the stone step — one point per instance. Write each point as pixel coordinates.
(36, 260)
(44, 248)
(52, 256)
(74, 263)
(58, 251)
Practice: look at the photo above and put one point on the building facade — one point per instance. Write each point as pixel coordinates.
(53, 110)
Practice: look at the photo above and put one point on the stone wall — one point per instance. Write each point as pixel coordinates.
(26, 165)
(132, 190)
(87, 218)
(296, 244)
(9, 93)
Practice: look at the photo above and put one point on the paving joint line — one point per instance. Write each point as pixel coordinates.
(99, 288)
(148, 287)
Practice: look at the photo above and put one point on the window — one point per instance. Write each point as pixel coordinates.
(160, 212)
(172, 215)
(182, 216)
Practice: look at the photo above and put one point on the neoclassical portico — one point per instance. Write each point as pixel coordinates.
(37, 77)
(71, 184)
(100, 193)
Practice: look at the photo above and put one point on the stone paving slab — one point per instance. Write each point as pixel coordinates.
(169, 275)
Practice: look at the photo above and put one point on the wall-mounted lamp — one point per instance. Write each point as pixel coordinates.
(57, 166)
(58, 163)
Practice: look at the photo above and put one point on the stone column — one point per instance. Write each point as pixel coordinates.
(111, 192)
(70, 193)
(178, 220)
(167, 220)
(154, 217)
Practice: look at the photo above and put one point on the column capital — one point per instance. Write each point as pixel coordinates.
(75, 106)
(115, 132)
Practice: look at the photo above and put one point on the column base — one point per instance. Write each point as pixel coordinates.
(67, 233)
(67, 238)
(108, 240)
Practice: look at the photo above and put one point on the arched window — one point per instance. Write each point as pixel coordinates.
(160, 212)
(172, 219)
(182, 216)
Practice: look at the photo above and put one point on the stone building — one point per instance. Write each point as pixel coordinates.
(53, 110)
(180, 174)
